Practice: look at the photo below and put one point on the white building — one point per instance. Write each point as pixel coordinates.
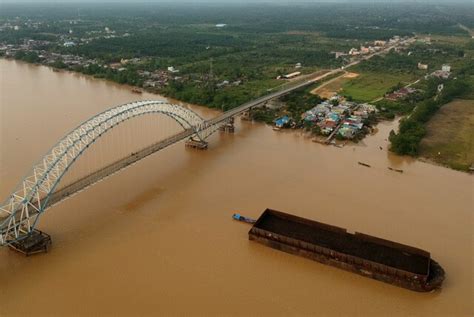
(353, 52)
(446, 68)
(422, 66)
(171, 69)
(292, 75)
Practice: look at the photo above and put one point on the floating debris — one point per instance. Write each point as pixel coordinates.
(364, 164)
(395, 170)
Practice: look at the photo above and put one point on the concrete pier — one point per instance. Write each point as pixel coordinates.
(196, 144)
(35, 242)
(228, 127)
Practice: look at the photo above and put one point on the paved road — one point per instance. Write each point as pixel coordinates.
(251, 104)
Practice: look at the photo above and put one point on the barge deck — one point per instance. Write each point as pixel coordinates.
(369, 256)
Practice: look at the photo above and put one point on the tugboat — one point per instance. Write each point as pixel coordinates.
(243, 219)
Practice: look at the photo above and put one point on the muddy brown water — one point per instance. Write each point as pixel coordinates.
(158, 238)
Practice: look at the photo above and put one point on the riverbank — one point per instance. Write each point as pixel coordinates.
(318, 138)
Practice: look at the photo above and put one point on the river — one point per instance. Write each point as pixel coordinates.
(158, 238)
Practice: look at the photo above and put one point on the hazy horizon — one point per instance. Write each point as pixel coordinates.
(446, 2)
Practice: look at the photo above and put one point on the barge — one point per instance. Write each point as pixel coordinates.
(379, 259)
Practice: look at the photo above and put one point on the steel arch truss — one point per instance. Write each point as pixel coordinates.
(19, 213)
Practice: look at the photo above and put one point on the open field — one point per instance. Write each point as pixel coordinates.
(450, 135)
(369, 86)
(334, 86)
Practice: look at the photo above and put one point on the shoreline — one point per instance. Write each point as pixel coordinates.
(130, 87)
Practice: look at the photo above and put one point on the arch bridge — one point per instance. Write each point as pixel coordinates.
(38, 191)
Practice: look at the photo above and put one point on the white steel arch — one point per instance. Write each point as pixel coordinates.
(19, 213)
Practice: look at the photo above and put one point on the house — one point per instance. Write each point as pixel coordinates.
(361, 113)
(441, 74)
(292, 75)
(69, 44)
(316, 113)
(364, 50)
(320, 109)
(171, 69)
(400, 94)
(446, 68)
(340, 109)
(115, 65)
(347, 132)
(327, 126)
(309, 117)
(367, 107)
(353, 52)
(422, 66)
(339, 54)
(279, 123)
(222, 84)
(380, 43)
(298, 65)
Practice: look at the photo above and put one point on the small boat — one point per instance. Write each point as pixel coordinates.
(395, 170)
(136, 90)
(243, 219)
(364, 164)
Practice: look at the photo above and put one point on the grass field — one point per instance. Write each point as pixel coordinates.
(450, 135)
(334, 86)
(370, 86)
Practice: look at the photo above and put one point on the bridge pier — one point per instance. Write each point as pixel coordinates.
(228, 127)
(35, 242)
(246, 115)
(196, 144)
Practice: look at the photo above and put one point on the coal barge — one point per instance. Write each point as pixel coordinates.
(380, 259)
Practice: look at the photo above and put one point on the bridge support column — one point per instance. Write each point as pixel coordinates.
(246, 115)
(35, 242)
(228, 127)
(196, 144)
